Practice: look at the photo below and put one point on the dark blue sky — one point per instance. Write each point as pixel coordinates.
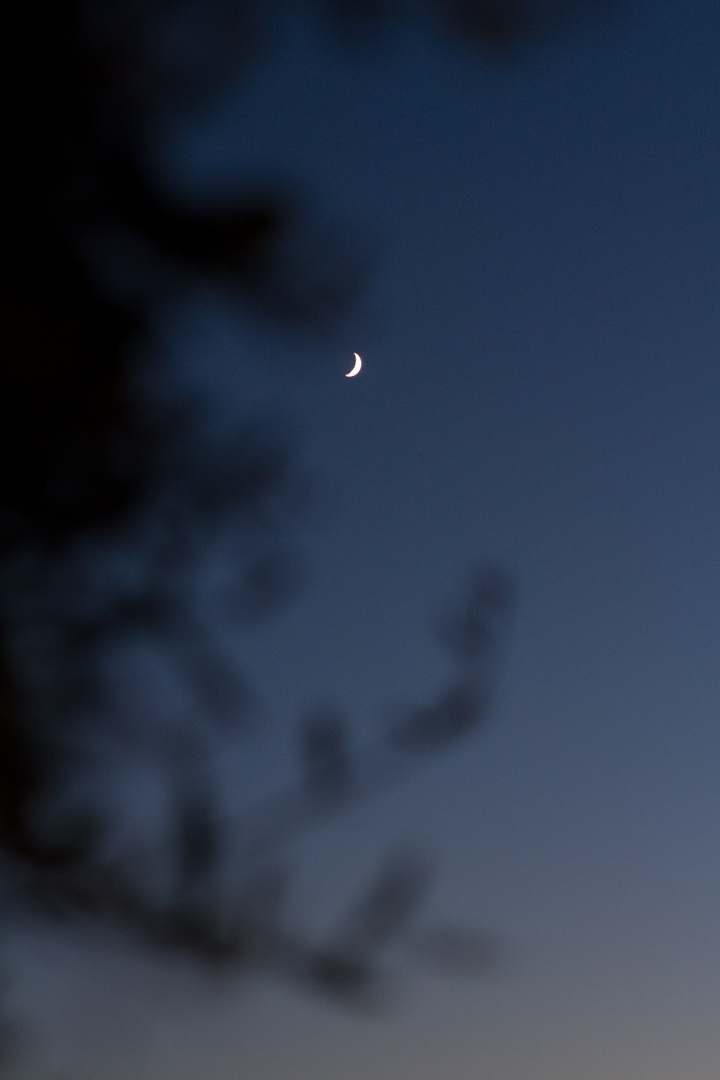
(541, 385)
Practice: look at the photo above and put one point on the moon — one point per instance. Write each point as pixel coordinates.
(358, 365)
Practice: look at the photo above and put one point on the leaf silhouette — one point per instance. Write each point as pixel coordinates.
(384, 912)
(451, 950)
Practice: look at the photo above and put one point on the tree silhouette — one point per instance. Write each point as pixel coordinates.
(108, 501)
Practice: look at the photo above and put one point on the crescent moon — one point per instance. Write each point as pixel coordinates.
(358, 365)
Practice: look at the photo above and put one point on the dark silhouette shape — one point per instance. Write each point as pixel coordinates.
(92, 471)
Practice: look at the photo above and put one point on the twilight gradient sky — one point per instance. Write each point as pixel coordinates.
(540, 385)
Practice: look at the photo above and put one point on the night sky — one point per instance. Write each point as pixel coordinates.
(540, 386)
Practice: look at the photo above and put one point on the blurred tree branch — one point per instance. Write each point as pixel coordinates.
(107, 503)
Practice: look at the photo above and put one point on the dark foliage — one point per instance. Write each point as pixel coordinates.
(93, 477)
(507, 24)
